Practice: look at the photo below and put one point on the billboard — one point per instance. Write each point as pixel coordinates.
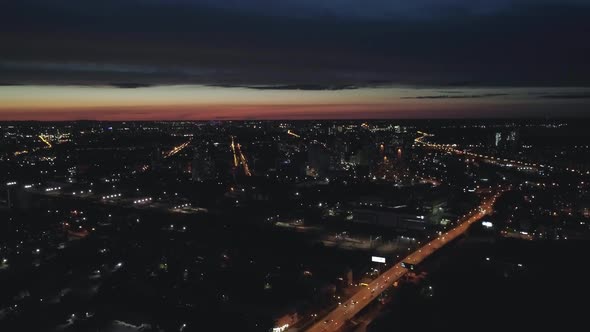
(377, 259)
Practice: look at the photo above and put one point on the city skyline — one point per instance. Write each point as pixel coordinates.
(174, 226)
(294, 165)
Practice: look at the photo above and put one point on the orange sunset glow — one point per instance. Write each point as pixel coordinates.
(197, 102)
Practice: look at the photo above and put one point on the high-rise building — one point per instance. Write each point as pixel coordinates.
(202, 167)
(498, 139)
(156, 157)
(319, 159)
(512, 136)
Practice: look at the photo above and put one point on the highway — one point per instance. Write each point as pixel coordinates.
(239, 157)
(244, 161)
(489, 159)
(334, 320)
(233, 149)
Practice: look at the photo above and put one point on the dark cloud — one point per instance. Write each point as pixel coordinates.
(303, 44)
(130, 85)
(483, 95)
(303, 87)
(368, 9)
(567, 96)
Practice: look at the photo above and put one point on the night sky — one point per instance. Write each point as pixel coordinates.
(293, 59)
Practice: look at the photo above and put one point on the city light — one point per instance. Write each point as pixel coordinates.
(111, 196)
(377, 259)
(280, 328)
(143, 200)
(281, 201)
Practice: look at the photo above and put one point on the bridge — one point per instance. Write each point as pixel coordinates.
(335, 319)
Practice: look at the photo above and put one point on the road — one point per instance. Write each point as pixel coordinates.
(239, 157)
(46, 141)
(244, 161)
(233, 149)
(43, 139)
(337, 317)
(176, 149)
(290, 132)
(489, 159)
